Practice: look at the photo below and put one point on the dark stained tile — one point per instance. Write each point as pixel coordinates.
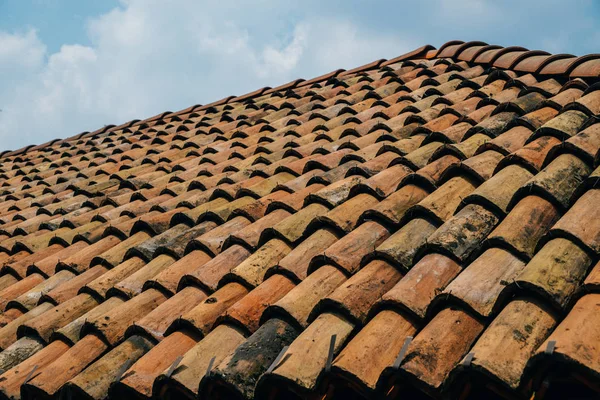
(556, 271)
(505, 347)
(238, 372)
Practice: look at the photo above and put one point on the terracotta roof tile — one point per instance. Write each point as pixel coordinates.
(71, 332)
(137, 381)
(202, 317)
(444, 342)
(524, 226)
(95, 381)
(307, 358)
(15, 377)
(446, 195)
(239, 372)
(131, 285)
(375, 348)
(185, 380)
(50, 380)
(574, 340)
(585, 235)
(491, 272)
(348, 253)
(111, 326)
(514, 334)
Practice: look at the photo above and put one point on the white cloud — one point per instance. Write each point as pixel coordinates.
(21, 50)
(145, 58)
(287, 58)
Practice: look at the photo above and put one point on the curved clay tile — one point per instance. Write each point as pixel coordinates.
(353, 298)
(469, 53)
(566, 65)
(96, 380)
(202, 317)
(563, 126)
(359, 365)
(400, 248)
(239, 371)
(416, 290)
(574, 346)
(413, 54)
(154, 324)
(496, 193)
(321, 78)
(586, 67)
(584, 145)
(362, 68)
(589, 103)
(524, 226)
(490, 56)
(505, 347)
(392, 210)
(246, 313)
(16, 376)
(185, 379)
(462, 234)
(297, 305)
(570, 226)
(532, 155)
(535, 119)
(453, 44)
(531, 64)
(157, 117)
(558, 181)
(306, 358)
(122, 317)
(249, 95)
(187, 110)
(547, 61)
(509, 60)
(138, 380)
(286, 86)
(430, 360)
(50, 380)
(555, 273)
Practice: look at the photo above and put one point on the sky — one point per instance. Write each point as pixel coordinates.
(71, 66)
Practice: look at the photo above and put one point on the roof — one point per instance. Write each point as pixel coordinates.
(421, 227)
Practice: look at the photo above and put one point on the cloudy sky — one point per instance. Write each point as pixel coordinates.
(68, 66)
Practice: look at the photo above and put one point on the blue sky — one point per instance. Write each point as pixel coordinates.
(72, 65)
